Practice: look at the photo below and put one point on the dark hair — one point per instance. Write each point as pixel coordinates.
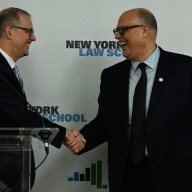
(10, 16)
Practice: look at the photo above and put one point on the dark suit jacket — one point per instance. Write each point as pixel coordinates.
(15, 113)
(168, 123)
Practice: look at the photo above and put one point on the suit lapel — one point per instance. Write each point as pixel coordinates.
(160, 80)
(8, 73)
(124, 92)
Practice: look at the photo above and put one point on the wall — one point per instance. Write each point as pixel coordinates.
(66, 78)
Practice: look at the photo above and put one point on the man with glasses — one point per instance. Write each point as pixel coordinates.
(155, 155)
(16, 35)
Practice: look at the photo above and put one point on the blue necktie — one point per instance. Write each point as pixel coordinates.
(18, 75)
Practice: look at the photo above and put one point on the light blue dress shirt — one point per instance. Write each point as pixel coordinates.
(135, 74)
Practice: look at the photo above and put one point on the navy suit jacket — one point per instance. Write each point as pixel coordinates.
(15, 113)
(168, 123)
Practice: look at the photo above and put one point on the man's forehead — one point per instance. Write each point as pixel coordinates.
(128, 18)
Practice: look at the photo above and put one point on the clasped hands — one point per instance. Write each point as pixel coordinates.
(74, 140)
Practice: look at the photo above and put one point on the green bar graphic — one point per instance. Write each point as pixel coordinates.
(99, 174)
(87, 174)
(82, 177)
(93, 174)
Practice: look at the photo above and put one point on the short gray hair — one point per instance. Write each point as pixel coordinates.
(10, 16)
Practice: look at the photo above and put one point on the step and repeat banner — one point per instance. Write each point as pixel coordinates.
(61, 75)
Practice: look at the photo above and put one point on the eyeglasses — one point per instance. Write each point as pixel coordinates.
(30, 31)
(122, 30)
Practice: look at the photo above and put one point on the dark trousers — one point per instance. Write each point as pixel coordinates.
(138, 178)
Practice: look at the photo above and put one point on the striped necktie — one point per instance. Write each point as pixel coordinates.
(18, 75)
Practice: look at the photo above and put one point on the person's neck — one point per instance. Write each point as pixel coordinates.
(8, 52)
(147, 52)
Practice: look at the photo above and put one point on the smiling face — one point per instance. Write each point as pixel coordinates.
(17, 36)
(136, 40)
(21, 39)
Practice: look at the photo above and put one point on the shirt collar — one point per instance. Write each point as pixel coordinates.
(151, 61)
(8, 58)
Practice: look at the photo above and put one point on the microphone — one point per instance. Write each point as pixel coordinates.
(44, 134)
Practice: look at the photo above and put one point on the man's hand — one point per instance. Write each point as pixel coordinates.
(74, 140)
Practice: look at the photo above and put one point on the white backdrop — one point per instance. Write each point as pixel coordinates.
(66, 78)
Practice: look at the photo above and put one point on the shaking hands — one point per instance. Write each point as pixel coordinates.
(74, 140)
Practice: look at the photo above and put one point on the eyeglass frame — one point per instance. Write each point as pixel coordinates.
(30, 31)
(123, 29)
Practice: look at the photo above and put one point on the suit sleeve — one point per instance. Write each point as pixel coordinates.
(95, 132)
(14, 112)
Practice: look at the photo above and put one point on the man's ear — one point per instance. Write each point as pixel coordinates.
(8, 31)
(145, 31)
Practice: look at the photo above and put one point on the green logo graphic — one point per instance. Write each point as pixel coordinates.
(93, 174)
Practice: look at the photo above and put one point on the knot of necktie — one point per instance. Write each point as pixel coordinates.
(142, 66)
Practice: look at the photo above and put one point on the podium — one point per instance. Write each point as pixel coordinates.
(16, 156)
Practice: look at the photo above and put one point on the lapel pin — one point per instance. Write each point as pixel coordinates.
(161, 79)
